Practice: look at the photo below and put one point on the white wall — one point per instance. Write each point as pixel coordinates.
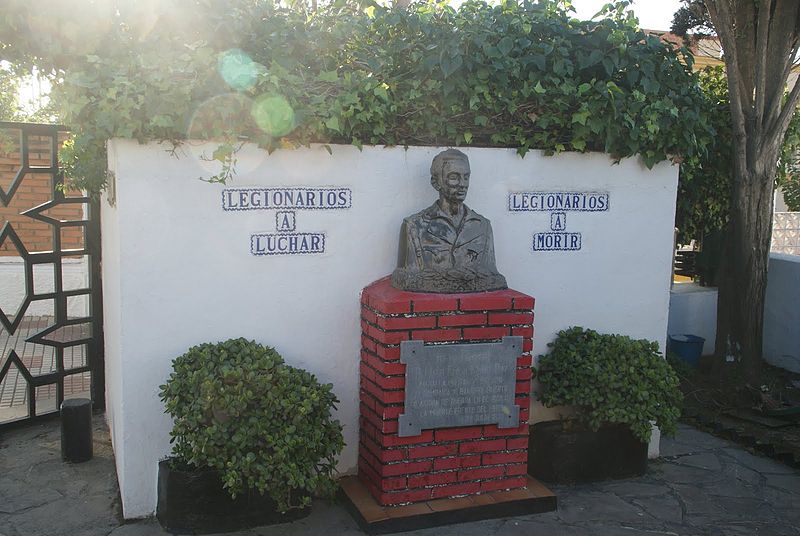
(110, 242)
(693, 310)
(782, 312)
(178, 270)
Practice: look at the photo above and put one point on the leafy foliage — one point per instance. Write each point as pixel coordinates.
(692, 17)
(789, 165)
(791, 193)
(704, 189)
(239, 409)
(611, 379)
(519, 74)
(11, 109)
(9, 85)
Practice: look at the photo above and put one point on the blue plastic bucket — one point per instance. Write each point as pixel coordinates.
(687, 347)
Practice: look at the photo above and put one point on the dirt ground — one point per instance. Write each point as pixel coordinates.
(760, 412)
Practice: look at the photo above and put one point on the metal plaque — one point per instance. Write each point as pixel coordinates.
(459, 385)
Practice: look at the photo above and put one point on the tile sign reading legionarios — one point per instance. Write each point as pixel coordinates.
(558, 204)
(286, 202)
(459, 385)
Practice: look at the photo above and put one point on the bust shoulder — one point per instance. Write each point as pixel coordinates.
(424, 215)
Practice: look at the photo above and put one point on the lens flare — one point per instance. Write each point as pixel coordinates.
(225, 115)
(238, 69)
(222, 118)
(273, 114)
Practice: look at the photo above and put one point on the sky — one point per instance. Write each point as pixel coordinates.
(652, 14)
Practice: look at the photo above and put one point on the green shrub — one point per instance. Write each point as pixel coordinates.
(264, 425)
(610, 379)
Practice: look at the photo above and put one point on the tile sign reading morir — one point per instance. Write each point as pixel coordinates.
(285, 201)
(558, 204)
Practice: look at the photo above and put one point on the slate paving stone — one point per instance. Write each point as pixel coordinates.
(790, 483)
(746, 508)
(703, 486)
(88, 516)
(633, 488)
(708, 461)
(695, 501)
(753, 529)
(700, 440)
(740, 473)
(755, 462)
(143, 527)
(684, 474)
(663, 507)
(16, 496)
(597, 506)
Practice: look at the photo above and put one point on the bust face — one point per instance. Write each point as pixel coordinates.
(454, 180)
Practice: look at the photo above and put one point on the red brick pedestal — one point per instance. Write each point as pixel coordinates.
(445, 462)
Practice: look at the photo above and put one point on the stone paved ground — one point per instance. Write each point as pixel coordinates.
(701, 486)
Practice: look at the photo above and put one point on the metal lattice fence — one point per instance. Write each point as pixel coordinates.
(786, 233)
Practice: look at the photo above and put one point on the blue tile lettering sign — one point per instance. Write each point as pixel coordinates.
(556, 241)
(287, 243)
(286, 198)
(557, 201)
(286, 201)
(558, 204)
(558, 221)
(285, 221)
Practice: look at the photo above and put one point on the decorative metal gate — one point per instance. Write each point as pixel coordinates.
(51, 338)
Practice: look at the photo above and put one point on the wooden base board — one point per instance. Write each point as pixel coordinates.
(376, 519)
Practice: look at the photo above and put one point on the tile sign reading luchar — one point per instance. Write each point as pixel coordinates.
(285, 201)
(558, 204)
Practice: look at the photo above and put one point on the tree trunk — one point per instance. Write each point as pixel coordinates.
(761, 40)
(743, 281)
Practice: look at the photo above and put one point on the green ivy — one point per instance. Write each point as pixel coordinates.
(521, 74)
(704, 187)
(789, 166)
(791, 193)
(610, 379)
(265, 426)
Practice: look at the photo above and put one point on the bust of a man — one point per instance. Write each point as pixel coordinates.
(447, 247)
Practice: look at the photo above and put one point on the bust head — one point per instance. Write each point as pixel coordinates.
(450, 175)
(446, 247)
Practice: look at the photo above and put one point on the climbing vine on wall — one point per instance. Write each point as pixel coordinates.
(525, 75)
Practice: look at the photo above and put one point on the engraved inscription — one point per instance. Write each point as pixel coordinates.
(459, 385)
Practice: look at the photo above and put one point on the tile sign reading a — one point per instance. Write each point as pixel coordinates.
(285, 202)
(459, 385)
(557, 204)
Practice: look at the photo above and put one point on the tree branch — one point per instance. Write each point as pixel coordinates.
(779, 81)
(719, 11)
(778, 127)
(762, 32)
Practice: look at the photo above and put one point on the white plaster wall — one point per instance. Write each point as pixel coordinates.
(183, 273)
(693, 310)
(112, 328)
(782, 312)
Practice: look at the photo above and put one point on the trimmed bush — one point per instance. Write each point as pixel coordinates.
(611, 379)
(264, 425)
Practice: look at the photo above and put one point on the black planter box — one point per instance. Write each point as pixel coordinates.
(194, 502)
(571, 456)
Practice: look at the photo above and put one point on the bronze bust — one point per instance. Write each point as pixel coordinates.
(447, 247)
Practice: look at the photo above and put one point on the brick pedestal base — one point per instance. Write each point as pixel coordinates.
(445, 462)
